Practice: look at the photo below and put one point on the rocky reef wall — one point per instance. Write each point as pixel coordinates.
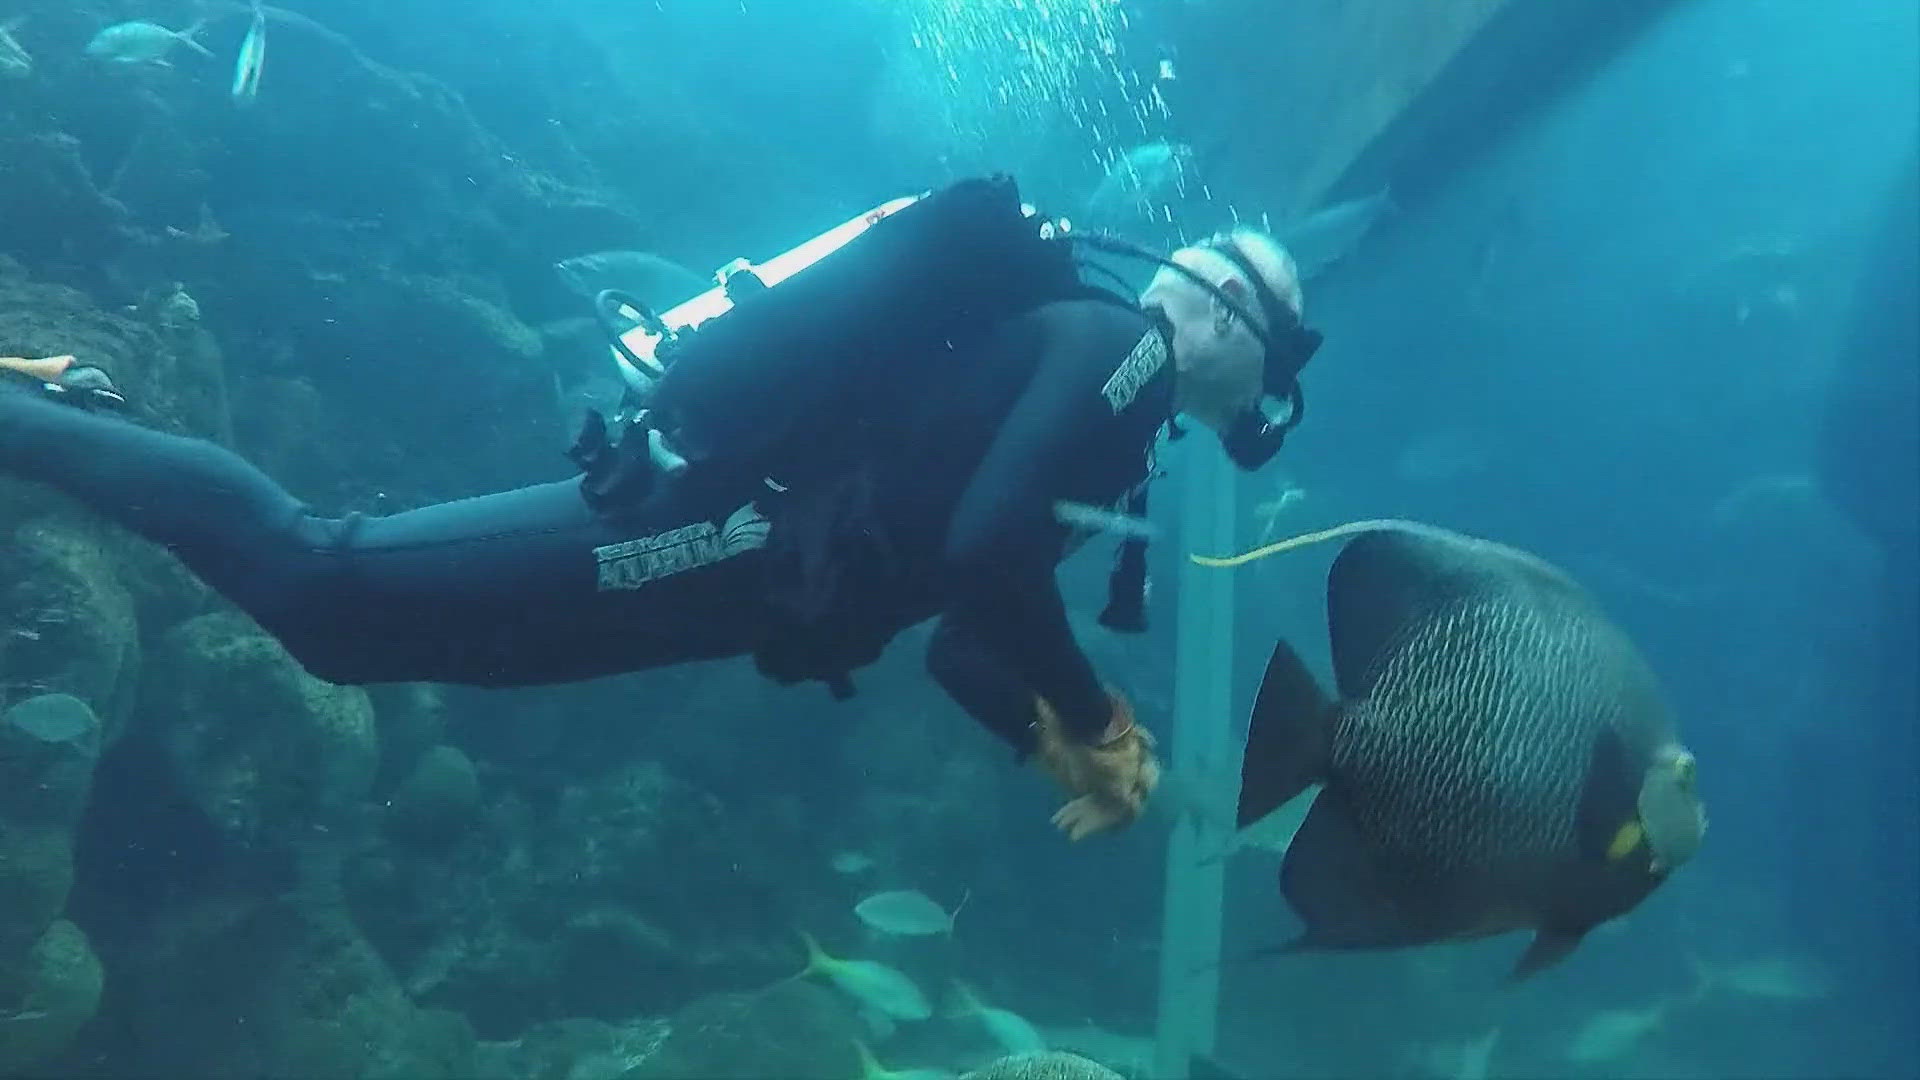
(212, 863)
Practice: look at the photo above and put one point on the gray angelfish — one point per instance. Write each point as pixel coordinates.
(1500, 757)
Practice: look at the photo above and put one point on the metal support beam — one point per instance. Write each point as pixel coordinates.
(1202, 738)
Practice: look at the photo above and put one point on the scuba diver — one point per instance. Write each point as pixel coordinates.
(885, 436)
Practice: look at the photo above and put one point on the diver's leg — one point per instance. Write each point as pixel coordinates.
(522, 587)
(532, 586)
(218, 514)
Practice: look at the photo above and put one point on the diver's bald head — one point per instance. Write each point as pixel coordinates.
(1269, 258)
(1220, 364)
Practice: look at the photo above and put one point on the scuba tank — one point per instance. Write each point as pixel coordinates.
(638, 347)
(755, 376)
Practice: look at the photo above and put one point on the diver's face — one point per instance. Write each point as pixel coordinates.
(1217, 360)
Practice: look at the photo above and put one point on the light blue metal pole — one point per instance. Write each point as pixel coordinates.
(1203, 744)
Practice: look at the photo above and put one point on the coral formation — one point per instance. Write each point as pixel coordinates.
(1043, 1065)
(50, 980)
(792, 1029)
(267, 751)
(70, 624)
(350, 283)
(47, 995)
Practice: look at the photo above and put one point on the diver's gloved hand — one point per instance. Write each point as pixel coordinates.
(1110, 779)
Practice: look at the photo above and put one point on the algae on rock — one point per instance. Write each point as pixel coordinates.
(287, 988)
(69, 622)
(268, 752)
(1043, 1065)
(794, 1030)
(438, 800)
(49, 977)
(46, 998)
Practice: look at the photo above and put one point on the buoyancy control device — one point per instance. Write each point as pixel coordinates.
(778, 355)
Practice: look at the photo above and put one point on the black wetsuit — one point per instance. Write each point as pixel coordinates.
(950, 513)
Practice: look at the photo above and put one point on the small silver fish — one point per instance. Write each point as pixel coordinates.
(1009, 1029)
(53, 718)
(873, 984)
(852, 862)
(253, 58)
(1616, 1033)
(905, 912)
(142, 42)
(15, 63)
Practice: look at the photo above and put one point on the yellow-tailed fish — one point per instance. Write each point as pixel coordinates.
(869, 982)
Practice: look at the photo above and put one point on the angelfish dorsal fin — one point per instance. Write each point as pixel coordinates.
(1388, 579)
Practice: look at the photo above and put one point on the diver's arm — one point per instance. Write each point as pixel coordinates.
(980, 684)
(1062, 437)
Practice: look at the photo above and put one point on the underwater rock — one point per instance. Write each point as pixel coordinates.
(573, 1049)
(464, 324)
(425, 386)
(413, 720)
(49, 745)
(268, 752)
(437, 800)
(606, 896)
(554, 219)
(174, 377)
(286, 988)
(723, 903)
(54, 212)
(67, 623)
(45, 1000)
(793, 1030)
(605, 959)
(36, 874)
(176, 381)
(295, 434)
(1044, 1065)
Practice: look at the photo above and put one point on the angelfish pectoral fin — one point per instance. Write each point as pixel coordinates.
(1549, 948)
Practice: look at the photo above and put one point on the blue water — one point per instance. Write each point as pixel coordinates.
(1602, 322)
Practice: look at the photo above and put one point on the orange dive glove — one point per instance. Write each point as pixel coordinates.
(1110, 779)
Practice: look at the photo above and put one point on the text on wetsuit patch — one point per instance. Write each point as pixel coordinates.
(1142, 364)
(633, 563)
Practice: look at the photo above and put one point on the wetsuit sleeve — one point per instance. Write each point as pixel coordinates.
(980, 684)
(1062, 440)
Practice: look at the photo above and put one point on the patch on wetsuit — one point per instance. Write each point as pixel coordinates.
(631, 564)
(1140, 366)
